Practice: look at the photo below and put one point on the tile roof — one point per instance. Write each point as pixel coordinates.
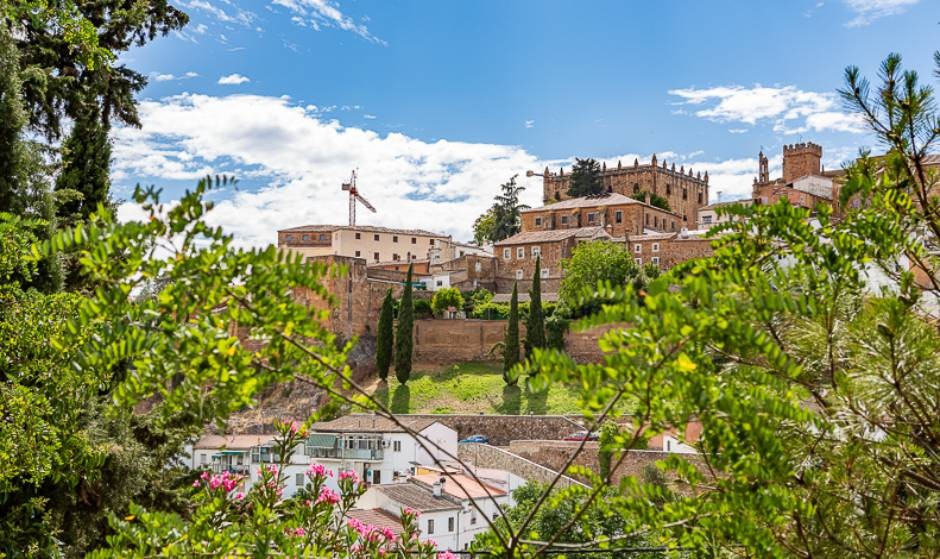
(416, 496)
(362, 228)
(370, 423)
(608, 199)
(461, 486)
(552, 235)
(232, 441)
(378, 518)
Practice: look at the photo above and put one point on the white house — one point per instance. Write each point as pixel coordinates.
(245, 454)
(445, 503)
(378, 449)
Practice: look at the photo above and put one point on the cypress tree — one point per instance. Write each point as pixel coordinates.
(86, 163)
(385, 336)
(404, 337)
(535, 323)
(511, 341)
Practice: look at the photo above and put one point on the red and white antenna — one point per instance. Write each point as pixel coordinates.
(353, 197)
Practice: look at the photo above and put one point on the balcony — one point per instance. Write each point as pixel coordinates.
(363, 454)
(344, 447)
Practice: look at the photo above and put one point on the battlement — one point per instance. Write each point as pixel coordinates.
(636, 167)
(803, 147)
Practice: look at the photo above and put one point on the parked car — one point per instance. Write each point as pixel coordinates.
(582, 436)
(481, 439)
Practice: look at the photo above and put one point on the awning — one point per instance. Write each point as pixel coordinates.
(317, 440)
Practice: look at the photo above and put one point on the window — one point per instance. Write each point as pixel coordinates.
(431, 242)
(430, 526)
(656, 221)
(440, 283)
(306, 237)
(520, 252)
(668, 189)
(396, 446)
(394, 238)
(638, 248)
(414, 240)
(536, 251)
(288, 237)
(564, 220)
(507, 253)
(636, 188)
(375, 237)
(655, 247)
(544, 272)
(358, 253)
(299, 480)
(591, 217)
(375, 256)
(203, 458)
(518, 274)
(450, 524)
(396, 258)
(358, 236)
(324, 237)
(685, 193)
(477, 267)
(639, 261)
(538, 222)
(706, 219)
(647, 219)
(700, 197)
(655, 260)
(473, 517)
(618, 216)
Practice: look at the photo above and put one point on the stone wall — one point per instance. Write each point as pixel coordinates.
(501, 429)
(453, 341)
(554, 454)
(486, 456)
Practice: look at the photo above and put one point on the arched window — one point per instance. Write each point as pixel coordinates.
(636, 188)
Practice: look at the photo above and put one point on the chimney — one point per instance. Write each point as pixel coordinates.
(438, 488)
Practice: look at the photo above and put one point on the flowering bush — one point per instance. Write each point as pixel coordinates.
(229, 519)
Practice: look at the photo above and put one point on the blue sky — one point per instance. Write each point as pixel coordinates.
(438, 102)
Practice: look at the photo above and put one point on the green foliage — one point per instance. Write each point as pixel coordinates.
(586, 178)
(86, 162)
(511, 339)
(503, 219)
(590, 265)
(404, 337)
(556, 326)
(13, 119)
(607, 442)
(385, 336)
(423, 308)
(446, 298)
(535, 322)
(480, 296)
(656, 200)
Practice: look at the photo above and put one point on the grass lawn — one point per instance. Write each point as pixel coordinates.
(470, 388)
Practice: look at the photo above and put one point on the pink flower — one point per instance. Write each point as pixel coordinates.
(215, 482)
(239, 496)
(445, 555)
(388, 533)
(318, 470)
(300, 532)
(349, 474)
(204, 476)
(196, 483)
(328, 496)
(411, 511)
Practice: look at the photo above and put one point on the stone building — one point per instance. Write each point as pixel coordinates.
(373, 244)
(516, 256)
(685, 191)
(665, 250)
(616, 213)
(804, 182)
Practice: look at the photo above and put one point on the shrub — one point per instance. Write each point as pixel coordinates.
(511, 343)
(446, 298)
(423, 308)
(404, 340)
(555, 328)
(385, 336)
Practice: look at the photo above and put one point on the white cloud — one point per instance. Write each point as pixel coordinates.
(369, 117)
(324, 13)
(737, 130)
(172, 77)
(792, 110)
(867, 11)
(236, 15)
(233, 79)
(529, 123)
(201, 29)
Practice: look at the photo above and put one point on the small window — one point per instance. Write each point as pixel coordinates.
(685, 193)
(450, 524)
(431, 242)
(618, 216)
(564, 220)
(518, 274)
(544, 272)
(668, 189)
(395, 258)
(477, 267)
(699, 197)
(656, 221)
(306, 237)
(375, 256)
(655, 247)
(358, 253)
(520, 252)
(638, 248)
(507, 253)
(375, 237)
(440, 283)
(591, 217)
(203, 458)
(288, 237)
(414, 240)
(299, 480)
(536, 251)
(473, 517)
(639, 261)
(707, 219)
(647, 219)
(394, 238)
(655, 260)
(358, 236)
(396, 446)
(538, 222)
(430, 526)
(324, 237)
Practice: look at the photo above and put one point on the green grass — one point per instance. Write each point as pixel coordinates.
(471, 388)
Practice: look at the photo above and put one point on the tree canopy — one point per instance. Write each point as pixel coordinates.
(586, 178)
(503, 219)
